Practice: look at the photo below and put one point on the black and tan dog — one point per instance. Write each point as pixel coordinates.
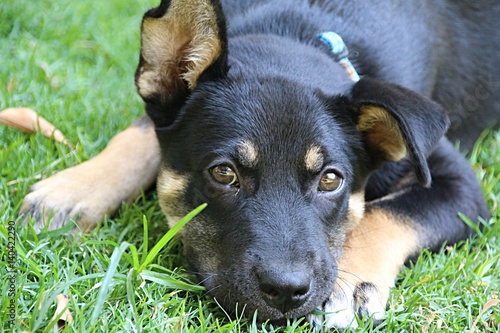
(319, 188)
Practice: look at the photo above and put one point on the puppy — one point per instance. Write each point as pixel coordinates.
(320, 185)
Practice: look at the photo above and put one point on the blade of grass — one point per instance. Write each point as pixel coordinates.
(169, 281)
(168, 236)
(103, 291)
(484, 268)
(145, 243)
(135, 257)
(130, 293)
(470, 223)
(61, 232)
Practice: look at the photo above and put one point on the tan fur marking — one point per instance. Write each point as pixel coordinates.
(137, 148)
(171, 185)
(179, 45)
(356, 209)
(376, 250)
(383, 131)
(314, 159)
(248, 154)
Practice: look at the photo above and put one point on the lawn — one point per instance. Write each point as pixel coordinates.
(74, 63)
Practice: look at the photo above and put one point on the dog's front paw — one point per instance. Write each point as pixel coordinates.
(374, 252)
(349, 302)
(89, 191)
(81, 193)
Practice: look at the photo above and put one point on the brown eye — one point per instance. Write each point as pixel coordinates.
(330, 182)
(224, 175)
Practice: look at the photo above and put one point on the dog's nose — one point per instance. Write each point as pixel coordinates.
(284, 291)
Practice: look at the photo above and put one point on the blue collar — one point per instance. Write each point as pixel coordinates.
(340, 52)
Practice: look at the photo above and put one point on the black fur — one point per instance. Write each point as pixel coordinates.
(277, 86)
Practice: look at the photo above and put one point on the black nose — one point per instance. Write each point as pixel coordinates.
(284, 291)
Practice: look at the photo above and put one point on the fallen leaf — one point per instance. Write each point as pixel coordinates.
(29, 121)
(62, 311)
(491, 303)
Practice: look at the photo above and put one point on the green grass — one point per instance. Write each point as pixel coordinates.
(74, 63)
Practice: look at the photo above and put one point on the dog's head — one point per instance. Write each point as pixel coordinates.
(278, 146)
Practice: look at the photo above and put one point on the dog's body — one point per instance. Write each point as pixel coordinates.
(257, 119)
(445, 50)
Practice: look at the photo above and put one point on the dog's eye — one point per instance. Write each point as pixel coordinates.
(224, 175)
(330, 181)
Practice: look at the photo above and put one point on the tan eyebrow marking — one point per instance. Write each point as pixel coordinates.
(248, 153)
(314, 158)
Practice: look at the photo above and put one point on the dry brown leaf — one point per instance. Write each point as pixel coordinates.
(491, 303)
(29, 121)
(62, 311)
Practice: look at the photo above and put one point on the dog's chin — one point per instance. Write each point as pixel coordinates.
(265, 314)
(282, 322)
(252, 306)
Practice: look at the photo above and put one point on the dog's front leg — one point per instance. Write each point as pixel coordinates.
(89, 191)
(374, 253)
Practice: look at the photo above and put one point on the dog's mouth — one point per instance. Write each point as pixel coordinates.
(303, 319)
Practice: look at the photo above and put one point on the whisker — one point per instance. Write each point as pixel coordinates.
(223, 310)
(351, 274)
(342, 289)
(208, 278)
(204, 276)
(348, 285)
(212, 289)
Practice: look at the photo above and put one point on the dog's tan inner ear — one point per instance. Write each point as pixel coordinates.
(177, 47)
(382, 132)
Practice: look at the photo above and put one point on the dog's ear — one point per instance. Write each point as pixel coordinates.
(397, 122)
(180, 41)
